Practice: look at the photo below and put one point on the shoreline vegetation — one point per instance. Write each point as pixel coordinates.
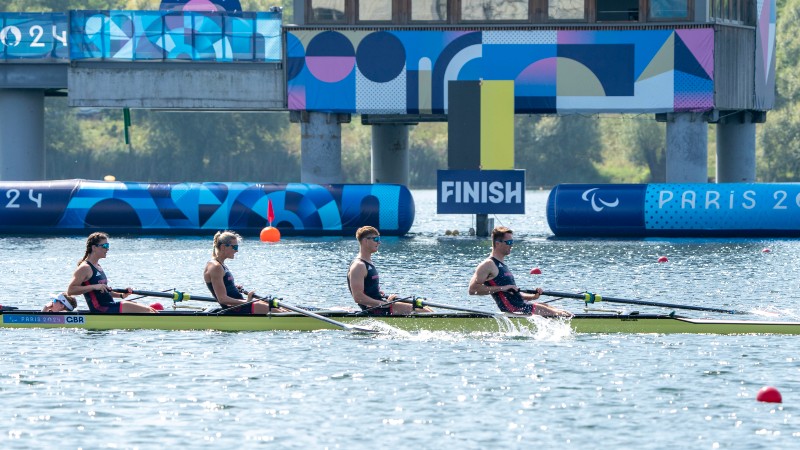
(265, 147)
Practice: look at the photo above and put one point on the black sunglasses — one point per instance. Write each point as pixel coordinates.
(235, 246)
(507, 242)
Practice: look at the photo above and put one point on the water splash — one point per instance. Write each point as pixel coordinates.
(546, 329)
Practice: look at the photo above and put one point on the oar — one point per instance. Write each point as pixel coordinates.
(274, 302)
(421, 303)
(383, 305)
(279, 303)
(589, 297)
(143, 296)
(177, 296)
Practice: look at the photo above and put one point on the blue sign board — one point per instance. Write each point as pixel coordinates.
(41, 36)
(480, 192)
(702, 209)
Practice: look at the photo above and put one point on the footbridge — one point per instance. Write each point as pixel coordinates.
(689, 64)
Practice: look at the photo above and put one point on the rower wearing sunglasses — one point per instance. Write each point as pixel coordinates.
(90, 280)
(493, 277)
(219, 279)
(363, 280)
(61, 303)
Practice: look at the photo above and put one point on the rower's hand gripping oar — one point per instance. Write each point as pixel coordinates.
(279, 303)
(589, 297)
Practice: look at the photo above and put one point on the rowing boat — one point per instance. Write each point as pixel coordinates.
(458, 322)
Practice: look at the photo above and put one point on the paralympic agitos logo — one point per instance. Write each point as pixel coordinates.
(594, 198)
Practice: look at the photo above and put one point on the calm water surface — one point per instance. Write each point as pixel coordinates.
(542, 386)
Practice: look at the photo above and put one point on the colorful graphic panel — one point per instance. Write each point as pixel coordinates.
(182, 35)
(765, 55)
(38, 36)
(568, 71)
(81, 206)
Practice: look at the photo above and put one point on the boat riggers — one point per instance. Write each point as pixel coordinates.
(589, 298)
(176, 296)
(419, 303)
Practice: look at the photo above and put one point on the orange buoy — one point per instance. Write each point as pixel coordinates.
(769, 394)
(270, 234)
(536, 271)
(662, 259)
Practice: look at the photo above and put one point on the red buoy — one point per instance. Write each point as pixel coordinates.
(157, 306)
(769, 394)
(536, 271)
(270, 234)
(766, 250)
(662, 259)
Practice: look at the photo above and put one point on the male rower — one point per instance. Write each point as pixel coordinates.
(492, 277)
(363, 279)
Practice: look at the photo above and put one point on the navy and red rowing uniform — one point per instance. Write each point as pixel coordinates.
(233, 292)
(508, 301)
(99, 301)
(372, 288)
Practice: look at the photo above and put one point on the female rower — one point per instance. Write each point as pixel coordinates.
(61, 303)
(90, 280)
(219, 278)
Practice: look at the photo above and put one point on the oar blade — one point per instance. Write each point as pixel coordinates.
(592, 298)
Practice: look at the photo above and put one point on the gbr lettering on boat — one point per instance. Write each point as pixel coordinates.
(480, 192)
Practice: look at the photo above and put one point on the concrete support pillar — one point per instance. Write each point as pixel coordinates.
(321, 147)
(22, 135)
(687, 148)
(736, 149)
(390, 154)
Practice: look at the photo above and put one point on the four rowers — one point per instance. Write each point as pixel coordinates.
(491, 277)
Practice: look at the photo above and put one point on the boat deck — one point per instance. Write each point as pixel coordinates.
(460, 322)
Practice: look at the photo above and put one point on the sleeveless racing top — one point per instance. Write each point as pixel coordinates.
(371, 282)
(230, 286)
(507, 301)
(98, 301)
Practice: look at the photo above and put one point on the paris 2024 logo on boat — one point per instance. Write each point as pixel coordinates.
(593, 197)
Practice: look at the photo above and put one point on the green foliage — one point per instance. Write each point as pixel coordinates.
(779, 158)
(557, 149)
(265, 147)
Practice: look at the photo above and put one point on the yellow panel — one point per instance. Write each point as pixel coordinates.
(497, 124)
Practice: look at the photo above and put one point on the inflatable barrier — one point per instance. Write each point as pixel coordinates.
(83, 206)
(668, 210)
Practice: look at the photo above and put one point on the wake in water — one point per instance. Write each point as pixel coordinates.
(530, 327)
(774, 312)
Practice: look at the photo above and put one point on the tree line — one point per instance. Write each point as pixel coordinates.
(192, 146)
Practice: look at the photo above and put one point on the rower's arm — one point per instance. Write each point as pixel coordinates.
(483, 272)
(82, 273)
(358, 271)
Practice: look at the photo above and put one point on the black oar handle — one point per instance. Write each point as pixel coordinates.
(589, 297)
(174, 295)
(421, 303)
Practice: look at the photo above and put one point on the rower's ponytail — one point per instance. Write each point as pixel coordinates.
(91, 241)
(222, 238)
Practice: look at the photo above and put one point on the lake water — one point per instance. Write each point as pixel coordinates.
(543, 388)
